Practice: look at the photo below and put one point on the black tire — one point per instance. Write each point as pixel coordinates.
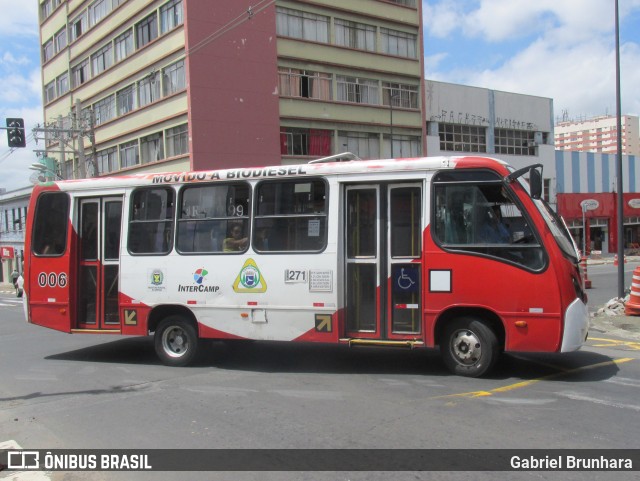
(469, 347)
(176, 341)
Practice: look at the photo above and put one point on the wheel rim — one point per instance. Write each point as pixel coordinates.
(175, 341)
(466, 347)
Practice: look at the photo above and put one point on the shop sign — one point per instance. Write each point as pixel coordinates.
(589, 204)
(7, 252)
(634, 203)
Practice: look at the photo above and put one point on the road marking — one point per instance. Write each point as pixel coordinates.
(523, 384)
(635, 345)
(580, 397)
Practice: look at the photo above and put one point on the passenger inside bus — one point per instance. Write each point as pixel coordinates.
(236, 242)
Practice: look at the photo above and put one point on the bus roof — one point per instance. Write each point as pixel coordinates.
(283, 171)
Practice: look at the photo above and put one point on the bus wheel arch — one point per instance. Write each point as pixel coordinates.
(470, 340)
(176, 337)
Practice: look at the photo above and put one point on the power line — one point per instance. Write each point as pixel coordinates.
(236, 22)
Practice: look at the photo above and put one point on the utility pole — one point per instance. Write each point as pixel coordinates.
(78, 128)
(620, 189)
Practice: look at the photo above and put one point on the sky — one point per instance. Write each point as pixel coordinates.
(560, 49)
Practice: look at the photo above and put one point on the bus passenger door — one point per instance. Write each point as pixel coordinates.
(99, 263)
(383, 235)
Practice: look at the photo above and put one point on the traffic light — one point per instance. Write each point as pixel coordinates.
(15, 133)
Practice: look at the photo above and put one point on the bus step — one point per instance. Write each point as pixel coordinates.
(96, 331)
(409, 343)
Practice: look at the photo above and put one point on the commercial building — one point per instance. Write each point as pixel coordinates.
(512, 127)
(587, 199)
(599, 134)
(189, 85)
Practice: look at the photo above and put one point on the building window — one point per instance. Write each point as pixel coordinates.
(398, 43)
(305, 142)
(102, 59)
(177, 140)
(362, 91)
(147, 30)
(98, 10)
(402, 96)
(462, 138)
(107, 160)
(303, 83)
(129, 155)
(47, 51)
(151, 148)
(61, 39)
(104, 110)
(123, 45)
(46, 9)
(355, 35)
(515, 142)
(173, 78)
(363, 144)
(404, 146)
(303, 25)
(125, 100)
(406, 3)
(49, 92)
(78, 26)
(149, 89)
(62, 83)
(170, 15)
(80, 73)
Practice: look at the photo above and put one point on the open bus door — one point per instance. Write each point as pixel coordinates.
(100, 223)
(383, 256)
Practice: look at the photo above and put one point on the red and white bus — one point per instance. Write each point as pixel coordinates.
(455, 252)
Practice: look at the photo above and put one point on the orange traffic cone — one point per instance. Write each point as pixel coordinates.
(615, 260)
(632, 307)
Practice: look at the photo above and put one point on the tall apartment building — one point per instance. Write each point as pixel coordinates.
(172, 85)
(599, 134)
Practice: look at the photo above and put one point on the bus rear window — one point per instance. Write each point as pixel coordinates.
(49, 236)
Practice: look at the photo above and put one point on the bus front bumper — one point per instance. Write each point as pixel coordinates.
(576, 326)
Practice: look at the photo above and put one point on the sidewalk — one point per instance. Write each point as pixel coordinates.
(627, 327)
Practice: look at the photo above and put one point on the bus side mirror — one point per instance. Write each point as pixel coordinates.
(535, 183)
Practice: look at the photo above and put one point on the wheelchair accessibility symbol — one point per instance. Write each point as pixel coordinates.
(406, 279)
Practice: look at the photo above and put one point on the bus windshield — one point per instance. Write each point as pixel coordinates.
(555, 223)
(559, 230)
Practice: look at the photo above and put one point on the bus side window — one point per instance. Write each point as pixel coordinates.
(291, 216)
(475, 213)
(151, 225)
(49, 237)
(209, 214)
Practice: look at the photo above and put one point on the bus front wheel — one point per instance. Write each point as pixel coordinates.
(469, 347)
(176, 341)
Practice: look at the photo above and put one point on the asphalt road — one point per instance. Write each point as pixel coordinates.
(99, 392)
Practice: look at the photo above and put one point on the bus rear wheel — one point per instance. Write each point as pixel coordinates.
(176, 341)
(469, 347)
